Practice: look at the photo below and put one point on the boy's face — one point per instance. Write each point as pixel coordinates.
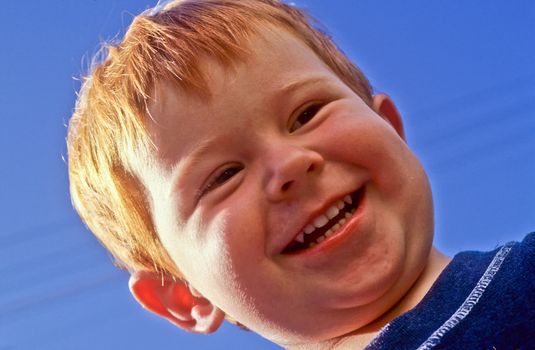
(280, 141)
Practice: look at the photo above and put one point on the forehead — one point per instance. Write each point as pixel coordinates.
(184, 121)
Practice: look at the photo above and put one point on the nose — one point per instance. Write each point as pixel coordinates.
(290, 169)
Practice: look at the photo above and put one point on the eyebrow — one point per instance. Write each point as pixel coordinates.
(193, 158)
(300, 83)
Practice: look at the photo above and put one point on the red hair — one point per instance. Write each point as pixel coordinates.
(107, 137)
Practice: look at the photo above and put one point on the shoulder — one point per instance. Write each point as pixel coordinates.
(519, 267)
(528, 243)
(521, 259)
(512, 267)
(499, 309)
(511, 259)
(480, 301)
(506, 311)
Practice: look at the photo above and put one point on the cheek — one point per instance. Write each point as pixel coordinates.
(227, 260)
(355, 138)
(246, 281)
(237, 229)
(371, 143)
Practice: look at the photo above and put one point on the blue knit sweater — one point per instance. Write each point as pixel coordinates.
(480, 301)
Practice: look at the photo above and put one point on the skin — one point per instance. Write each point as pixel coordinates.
(225, 215)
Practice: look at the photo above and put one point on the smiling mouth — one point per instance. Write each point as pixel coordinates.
(327, 224)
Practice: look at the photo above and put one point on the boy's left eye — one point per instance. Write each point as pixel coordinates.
(221, 177)
(305, 116)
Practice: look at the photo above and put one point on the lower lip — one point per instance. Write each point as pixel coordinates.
(337, 239)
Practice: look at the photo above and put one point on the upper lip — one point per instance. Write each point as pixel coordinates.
(317, 212)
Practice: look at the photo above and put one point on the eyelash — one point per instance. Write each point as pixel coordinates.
(221, 178)
(308, 113)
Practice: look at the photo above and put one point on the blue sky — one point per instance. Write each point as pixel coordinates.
(462, 74)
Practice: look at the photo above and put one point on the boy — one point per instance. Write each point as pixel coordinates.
(238, 165)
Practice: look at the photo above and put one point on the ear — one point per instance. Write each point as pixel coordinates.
(383, 105)
(175, 301)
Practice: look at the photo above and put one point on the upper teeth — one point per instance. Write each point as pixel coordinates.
(323, 219)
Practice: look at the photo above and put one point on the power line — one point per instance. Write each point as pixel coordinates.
(475, 97)
(28, 233)
(483, 151)
(474, 126)
(16, 310)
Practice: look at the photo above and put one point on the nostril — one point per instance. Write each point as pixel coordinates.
(286, 186)
(311, 168)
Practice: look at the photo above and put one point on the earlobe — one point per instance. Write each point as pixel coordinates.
(384, 106)
(173, 300)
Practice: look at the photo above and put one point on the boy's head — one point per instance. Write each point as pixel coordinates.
(230, 144)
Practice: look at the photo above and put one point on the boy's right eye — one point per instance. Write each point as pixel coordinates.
(305, 116)
(221, 177)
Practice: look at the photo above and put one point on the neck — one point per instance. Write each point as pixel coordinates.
(363, 336)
